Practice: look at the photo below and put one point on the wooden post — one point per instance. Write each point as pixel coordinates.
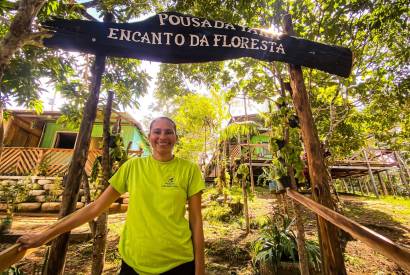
(351, 184)
(367, 186)
(403, 164)
(245, 204)
(382, 184)
(345, 185)
(331, 253)
(87, 194)
(300, 238)
(401, 169)
(297, 208)
(393, 191)
(101, 229)
(248, 141)
(58, 251)
(371, 175)
(360, 185)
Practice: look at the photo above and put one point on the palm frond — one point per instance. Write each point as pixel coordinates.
(236, 129)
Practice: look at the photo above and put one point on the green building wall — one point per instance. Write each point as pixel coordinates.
(128, 132)
(260, 139)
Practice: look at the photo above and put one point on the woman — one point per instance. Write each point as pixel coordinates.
(156, 239)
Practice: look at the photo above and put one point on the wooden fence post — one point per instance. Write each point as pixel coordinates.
(371, 175)
(382, 184)
(401, 168)
(58, 251)
(393, 191)
(332, 257)
(361, 188)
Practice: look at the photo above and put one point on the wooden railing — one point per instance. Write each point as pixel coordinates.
(383, 245)
(23, 161)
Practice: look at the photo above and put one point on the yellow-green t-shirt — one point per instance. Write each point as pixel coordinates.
(156, 235)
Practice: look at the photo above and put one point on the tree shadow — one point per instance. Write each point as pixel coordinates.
(378, 221)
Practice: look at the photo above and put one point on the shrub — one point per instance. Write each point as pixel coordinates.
(217, 212)
(277, 243)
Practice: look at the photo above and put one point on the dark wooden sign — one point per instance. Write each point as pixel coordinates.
(177, 38)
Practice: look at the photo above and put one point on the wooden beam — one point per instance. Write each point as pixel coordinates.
(364, 168)
(381, 244)
(58, 249)
(12, 255)
(371, 174)
(26, 127)
(331, 252)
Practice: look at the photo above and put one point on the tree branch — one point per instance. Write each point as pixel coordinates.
(90, 4)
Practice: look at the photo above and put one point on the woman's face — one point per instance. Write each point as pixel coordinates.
(162, 136)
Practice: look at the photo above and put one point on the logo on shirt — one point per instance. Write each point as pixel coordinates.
(169, 183)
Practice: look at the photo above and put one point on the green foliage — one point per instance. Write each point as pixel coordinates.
(233, 130)
(118, 155)
(277, 243)
(43, 166)
(243, 170)
(268, 174)
(14, 193)
(217, 212)
(286, 153)
(198, 118)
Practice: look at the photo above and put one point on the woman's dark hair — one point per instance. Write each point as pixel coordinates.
(166, 118)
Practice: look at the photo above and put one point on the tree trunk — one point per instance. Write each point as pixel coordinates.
(332, 257)
(20, 31)
(100, 237)
(17, 36)
(87, 193)
(59, 246)
(248, 141)
(245, 204)
(300, 237)
(1, 127)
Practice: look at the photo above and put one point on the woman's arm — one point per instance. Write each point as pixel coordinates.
(195, 221)
(74, 220)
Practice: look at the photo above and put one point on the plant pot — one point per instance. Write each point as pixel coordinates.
(284, 268)
(293, 121)
(285, 181)
(281, 143)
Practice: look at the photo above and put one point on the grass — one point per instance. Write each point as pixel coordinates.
(397, 207)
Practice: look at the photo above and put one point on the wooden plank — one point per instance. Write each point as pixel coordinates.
(26, 127)
(12, 255)
(381, 244)
(358, 168)
(331, 253)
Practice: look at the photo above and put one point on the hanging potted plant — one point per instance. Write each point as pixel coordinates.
(293, 121)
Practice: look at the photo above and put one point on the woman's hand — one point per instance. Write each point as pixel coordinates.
(32, 240)
(71, 221)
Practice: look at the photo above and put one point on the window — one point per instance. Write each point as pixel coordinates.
(65, 140)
